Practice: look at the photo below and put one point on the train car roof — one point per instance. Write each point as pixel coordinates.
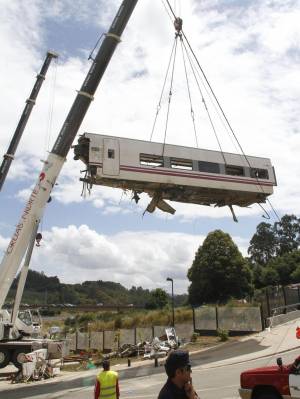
(177, 145)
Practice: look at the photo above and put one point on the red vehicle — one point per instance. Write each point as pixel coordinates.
(275, 382)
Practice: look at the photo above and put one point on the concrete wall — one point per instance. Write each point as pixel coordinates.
(144, 334)
(159, 331)
(239, 319)
(205, 318)
(72, 341)
(96, 341)
(127, 337)
(184, 332)
(228, 318)
(109, 340)
(82, 340)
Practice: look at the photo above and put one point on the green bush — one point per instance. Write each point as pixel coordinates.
(222, 334)
(118, 323)
(194, 337)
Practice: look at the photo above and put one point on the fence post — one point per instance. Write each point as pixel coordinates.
(217, 318)
(103, 339)
(268, 302)
(76, 340)
(135, 342)
(194, 322)
(284, 298)
(262, 317)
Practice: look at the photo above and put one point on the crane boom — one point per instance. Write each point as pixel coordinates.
(52, 166)
(30, 102)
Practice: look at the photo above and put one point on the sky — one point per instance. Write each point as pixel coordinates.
(250, 52)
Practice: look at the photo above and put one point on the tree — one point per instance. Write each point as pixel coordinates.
(286, 267)
(219, 271)
(270, 276)
(271, 241)
(257, 275)
(287, 232)
(158, 299)
(263, 244)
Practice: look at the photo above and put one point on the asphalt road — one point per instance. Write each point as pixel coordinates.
(215, 383)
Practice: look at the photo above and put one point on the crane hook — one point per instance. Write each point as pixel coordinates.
(178, 25)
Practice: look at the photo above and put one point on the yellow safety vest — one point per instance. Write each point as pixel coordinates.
(108, 382)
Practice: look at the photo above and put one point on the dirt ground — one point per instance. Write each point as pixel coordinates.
(202, 342)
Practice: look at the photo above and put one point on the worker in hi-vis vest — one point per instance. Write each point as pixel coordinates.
(107, 384)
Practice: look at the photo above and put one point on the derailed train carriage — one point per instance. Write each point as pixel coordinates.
(176, 173)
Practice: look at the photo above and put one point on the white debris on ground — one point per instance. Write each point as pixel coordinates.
(42, 363)
(158, 347)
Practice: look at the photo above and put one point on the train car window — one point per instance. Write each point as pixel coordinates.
(234, 170)
(111, 154)
(259, 173)
(209, 167)
(179, 163)
(151, 160)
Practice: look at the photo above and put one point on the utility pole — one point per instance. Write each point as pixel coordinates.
(173, 312)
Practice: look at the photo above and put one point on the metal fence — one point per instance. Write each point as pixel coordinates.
(278, 300)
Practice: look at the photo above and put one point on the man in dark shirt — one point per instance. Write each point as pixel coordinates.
(179, 382)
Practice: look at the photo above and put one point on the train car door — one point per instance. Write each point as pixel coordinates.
(111, 157)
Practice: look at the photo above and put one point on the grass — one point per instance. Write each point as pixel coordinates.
(97, 321)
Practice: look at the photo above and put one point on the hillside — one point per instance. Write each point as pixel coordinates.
(41, 289)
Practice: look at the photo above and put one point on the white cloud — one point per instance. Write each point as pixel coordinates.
(143, 258)
(249, 50)
(3, 243)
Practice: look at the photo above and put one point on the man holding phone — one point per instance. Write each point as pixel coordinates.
(179, 382)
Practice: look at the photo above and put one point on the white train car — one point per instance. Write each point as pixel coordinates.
(176, 173)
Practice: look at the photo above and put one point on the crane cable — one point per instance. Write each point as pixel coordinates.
(208, 84)
(220, 107)
(162, 91)
(178, 34)
(170, 95)
(51, 107)
(199, 88)
(205, 105)
(50, 120)
(189, 92)
(194, 68)
(167, 11)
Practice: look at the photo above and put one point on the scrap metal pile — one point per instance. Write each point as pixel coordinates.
(158, 347)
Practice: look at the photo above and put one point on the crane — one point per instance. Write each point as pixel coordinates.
(40, 194)
(30, 102)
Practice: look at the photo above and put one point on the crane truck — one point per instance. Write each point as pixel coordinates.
(13, 330)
